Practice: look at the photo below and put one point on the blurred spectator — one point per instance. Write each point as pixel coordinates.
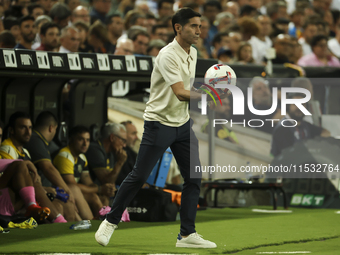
(107, 156)
(320, 55)
(205, 26)
(97, 37)
(220, 40)
(46, 5)
(283, 46)
(295, 26)
(83, 29)
(37, 24)
(334, 43)
(221, 112)
(328, 18)
(322, 4)
(261, 42)
(20, 131)
(81, 13)
(165, 8)
(244, 54)
(154, 47)
(124, 47)
(276, 10)
(224, 55)
(7, 40)
(194, 6)
(262, 100)
(223, 21)
(150, 22)
(131, 138)
(210, 10)
(284, 137)
(60, 14)
(235, 41)
(142, 6)
(11, 24)
(69, 40)
(248, 11)
(35, 10)
(248, 28)
(233, 8)
(141, 41)
(310, 30)
(72, 165)
(134, 18)
(49, 34)
(159, 32)
(297, 51)
(281, 24)
(115, 26)
(26, 25)
(72, 4)
(99, 10)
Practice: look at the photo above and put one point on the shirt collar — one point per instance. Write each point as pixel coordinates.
(41, 136)
(181, 52)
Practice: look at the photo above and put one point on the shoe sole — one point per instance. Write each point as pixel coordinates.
(102, 244)
(179, 245)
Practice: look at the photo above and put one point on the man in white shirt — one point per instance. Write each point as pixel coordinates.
(262, 42)
(168, 124)
(334, 43)
(69, 39)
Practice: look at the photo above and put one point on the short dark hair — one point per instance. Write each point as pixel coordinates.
(46, 26)
(9, 22)
(126, 122)
(218, 37)
(33, 6)
(25, 18)
(45, 119)
(160, 3)
(17, 115)
(108, 19)
(79, 129)
(60, 11)
(155, 27)
(213, 3)
(182, 17)
(7, 39)
(247, 10)
(317, 39)
(137, 33)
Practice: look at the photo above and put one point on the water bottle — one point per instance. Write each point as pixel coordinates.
(83, 224)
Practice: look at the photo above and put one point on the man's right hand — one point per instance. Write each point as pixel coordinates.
(108, 189)
(121, 156)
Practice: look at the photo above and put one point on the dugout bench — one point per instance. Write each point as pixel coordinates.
(218, 185)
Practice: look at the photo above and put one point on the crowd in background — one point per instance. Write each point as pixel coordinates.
(302, 32)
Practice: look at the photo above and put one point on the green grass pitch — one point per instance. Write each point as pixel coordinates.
(235, 231)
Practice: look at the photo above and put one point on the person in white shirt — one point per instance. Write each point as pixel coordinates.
(168, 124)
(262, 42)
(334, 43)
(69, 40)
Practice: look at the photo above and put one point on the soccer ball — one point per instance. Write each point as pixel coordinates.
(220, 73)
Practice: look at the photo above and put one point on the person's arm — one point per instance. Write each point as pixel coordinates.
(184, 95)
(87, 186)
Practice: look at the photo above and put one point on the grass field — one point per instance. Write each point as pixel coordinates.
(235, 231)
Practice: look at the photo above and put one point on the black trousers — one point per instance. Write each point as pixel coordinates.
(156, 139)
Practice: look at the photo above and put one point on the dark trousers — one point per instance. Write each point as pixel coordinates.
(156, 139)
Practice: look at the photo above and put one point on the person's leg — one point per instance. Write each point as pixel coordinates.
(83, 207)
(185, 150)
(156, 139)
(94, 202)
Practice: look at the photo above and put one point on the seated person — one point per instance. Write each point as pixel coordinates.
(131, 138)
(284, 137)
(72, 165)
(38, 146)
(221, 131)
(107, 156)
(20, 131)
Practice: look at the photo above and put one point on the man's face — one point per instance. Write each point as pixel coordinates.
(282, 12)
(295, 112)
(80, 143)
(233, 8)
(211, 12)
(167, 9)
(204, 29)
(22, 131)
(265, 25)
(141, 44)
(116, 27)
(320, 49)
(191, 31)
(235, 40)
(71, 41)
(119, 140)
(37, 12)
(224, 24)
(310, 32)
(102, 6)
(131, 135)
(81, 15)
(283, 46)
(161, 33)
(46, 4)
(72, 4)
(27, 31)
(261, 94)
(51, 39)
(125, 48)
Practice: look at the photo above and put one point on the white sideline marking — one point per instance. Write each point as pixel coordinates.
(173, 254)
(272, 211)
(338, 212)
(64, 254)
(283, 252)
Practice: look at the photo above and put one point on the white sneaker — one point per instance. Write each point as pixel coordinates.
(105, 232)
(194, 240)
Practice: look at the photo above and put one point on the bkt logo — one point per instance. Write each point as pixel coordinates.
(307, 200)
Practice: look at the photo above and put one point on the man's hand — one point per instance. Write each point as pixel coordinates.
(121, 156)
(33, 171)
(108, 189)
